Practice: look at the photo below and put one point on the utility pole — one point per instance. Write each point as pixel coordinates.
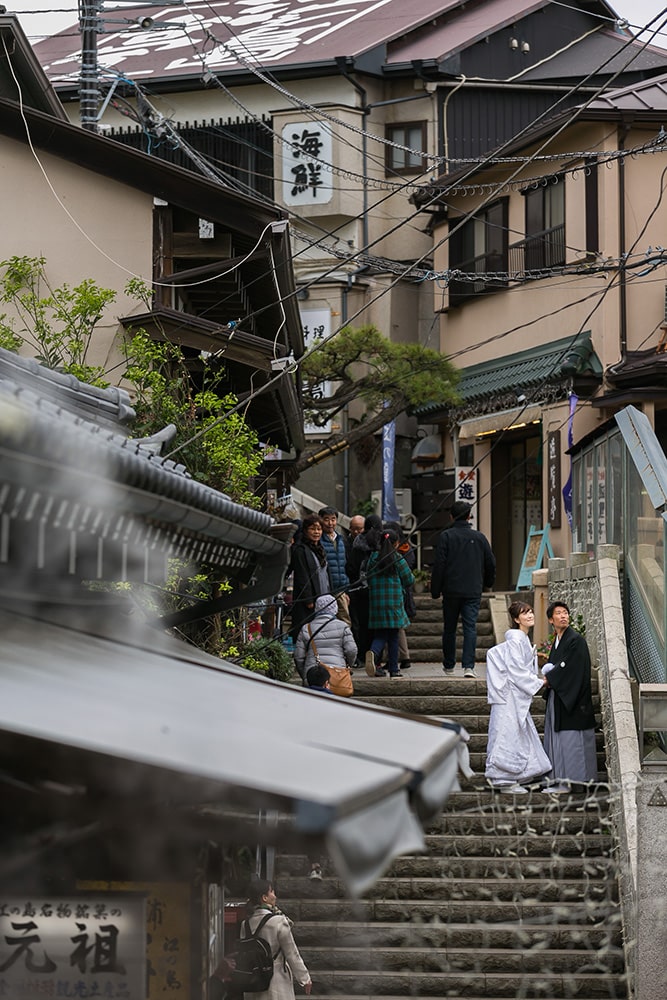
(89, 80)
(92, 23)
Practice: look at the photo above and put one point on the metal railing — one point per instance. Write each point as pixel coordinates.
(485, 264)
(538, 251)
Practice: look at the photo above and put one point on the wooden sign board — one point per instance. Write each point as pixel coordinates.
(537, 544)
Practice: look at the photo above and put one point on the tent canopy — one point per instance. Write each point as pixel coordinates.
(359, 777)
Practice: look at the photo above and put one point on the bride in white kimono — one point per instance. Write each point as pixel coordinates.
(514, 755)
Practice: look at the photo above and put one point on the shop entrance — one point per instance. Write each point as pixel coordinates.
(516, 502)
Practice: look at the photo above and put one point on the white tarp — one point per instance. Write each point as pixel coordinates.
(356, 775)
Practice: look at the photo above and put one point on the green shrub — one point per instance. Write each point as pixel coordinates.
(268, 657)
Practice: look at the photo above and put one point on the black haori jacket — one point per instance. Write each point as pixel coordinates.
(569, 683)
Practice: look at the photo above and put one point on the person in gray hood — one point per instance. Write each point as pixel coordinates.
(333, 639)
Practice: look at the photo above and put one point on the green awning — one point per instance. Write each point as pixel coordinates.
(557, 360)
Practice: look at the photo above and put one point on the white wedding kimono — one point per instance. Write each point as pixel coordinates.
(514, 751)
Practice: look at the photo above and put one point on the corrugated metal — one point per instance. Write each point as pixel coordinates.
(479, 120)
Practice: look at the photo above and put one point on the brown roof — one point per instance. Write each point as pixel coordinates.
(648, 96)
(283, 34)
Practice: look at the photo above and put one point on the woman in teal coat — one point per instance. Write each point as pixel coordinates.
(388, 575)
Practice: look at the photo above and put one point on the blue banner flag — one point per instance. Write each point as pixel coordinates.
(389, 508)
(567, 489)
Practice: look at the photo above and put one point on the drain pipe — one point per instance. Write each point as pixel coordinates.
(622, 278)
(342, 63)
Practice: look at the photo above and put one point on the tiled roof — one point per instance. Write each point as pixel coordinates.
(526, 369)
(99, 505)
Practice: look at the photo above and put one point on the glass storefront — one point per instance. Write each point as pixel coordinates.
(619, 482)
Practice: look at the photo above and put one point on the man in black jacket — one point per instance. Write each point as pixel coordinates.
(569, 724)
(464, 566)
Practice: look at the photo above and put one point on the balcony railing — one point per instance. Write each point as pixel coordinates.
(538, 251)
(485, 264)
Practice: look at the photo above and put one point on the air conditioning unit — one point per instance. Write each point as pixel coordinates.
(403, 500)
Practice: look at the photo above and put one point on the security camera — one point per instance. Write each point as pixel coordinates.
(521, 398)
(145, 23)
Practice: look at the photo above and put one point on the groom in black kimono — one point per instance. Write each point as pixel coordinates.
(569, 725)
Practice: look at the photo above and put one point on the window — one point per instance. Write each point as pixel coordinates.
(479, 246)
(412, 135)
(544, 245)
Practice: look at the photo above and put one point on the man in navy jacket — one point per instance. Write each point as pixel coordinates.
(334, 545)
(464, 566)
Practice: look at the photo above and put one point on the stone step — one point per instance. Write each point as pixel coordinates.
(470, 983)
(514, 896)
(462, 935)
(501, 897)
(438, 686)
(478, 762)
(552, 903)
(410, 959)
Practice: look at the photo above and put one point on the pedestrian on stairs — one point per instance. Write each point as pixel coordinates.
(464, 566)
(388, 576)
(277, 932)
(514, 754)
(310, 572)
(407, 550)
(359, 552)
(569, 722)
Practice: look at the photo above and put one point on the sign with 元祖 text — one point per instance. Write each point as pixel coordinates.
(73, 946)
(167, 934)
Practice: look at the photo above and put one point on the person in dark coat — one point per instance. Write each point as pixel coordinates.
(361, 548)
(310, 573)
(464, 566)
(569, 723)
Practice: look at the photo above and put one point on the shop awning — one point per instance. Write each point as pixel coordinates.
(521, 373)
(361, 778)
(501, 421)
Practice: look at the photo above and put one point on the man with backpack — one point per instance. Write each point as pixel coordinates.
(267, 960)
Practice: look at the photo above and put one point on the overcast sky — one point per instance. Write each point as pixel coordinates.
(37, 21)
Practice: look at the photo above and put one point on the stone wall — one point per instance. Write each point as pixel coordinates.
(592, 589)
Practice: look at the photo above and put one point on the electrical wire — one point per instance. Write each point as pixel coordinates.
(264, 387)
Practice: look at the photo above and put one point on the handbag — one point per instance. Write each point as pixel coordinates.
(340, 678)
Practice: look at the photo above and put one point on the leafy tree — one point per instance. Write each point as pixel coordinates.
(216, 446)
(364, 366)
(57, 323)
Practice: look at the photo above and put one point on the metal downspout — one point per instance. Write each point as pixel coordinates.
(622, 276)
(341, 62)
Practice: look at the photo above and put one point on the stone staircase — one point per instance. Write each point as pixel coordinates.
(515, 897)
(425, 632)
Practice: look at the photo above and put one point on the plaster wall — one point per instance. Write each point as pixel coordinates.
(84, 225)
(525, 316)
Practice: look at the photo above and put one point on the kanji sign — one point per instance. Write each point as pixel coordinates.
(307, 149)
(553, 478)
(466, 489)
(316, 324)
(80, 946)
